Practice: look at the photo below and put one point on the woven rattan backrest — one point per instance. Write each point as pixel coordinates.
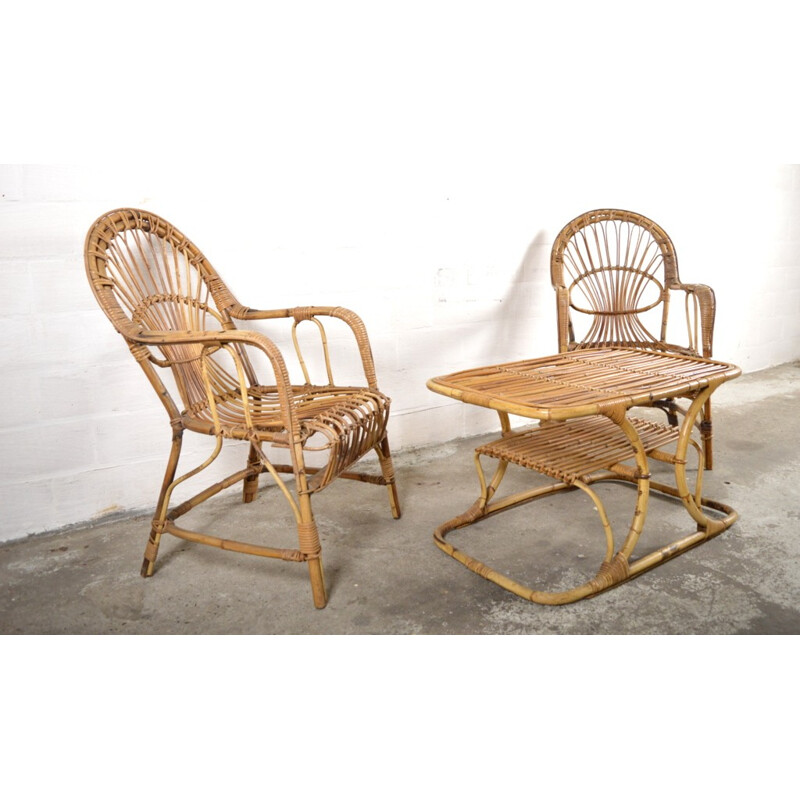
(616, 268)
(148, 277)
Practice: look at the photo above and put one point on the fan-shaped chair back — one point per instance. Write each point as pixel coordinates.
(614, 270)
(148, 276)
(174, 311)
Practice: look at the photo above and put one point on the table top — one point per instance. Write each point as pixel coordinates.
(583, 382)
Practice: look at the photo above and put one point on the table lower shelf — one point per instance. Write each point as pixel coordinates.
(573, 450)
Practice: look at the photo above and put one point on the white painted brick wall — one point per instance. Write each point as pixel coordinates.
(413, 166)
(444, 276)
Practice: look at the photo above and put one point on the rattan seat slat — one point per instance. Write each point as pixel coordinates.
(345, 404)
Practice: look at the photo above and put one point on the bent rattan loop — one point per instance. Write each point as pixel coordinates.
(176, 313)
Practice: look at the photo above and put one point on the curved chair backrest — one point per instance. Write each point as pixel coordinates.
(148, 277)
(616, 268)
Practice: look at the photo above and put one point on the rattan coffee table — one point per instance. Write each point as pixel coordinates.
(585, 435)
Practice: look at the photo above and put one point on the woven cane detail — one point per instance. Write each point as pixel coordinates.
(612, 572)
(302, 313)
(309, 538)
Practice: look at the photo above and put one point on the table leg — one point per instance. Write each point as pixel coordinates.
(615, 568)
(707, 527)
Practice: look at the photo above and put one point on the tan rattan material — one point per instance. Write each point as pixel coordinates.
(175, 312)
(574, 450)
(583, 399)
(615, 272)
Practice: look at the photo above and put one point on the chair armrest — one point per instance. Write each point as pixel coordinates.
(154, 338)
(299, 313)
(707, 305)
(243, 312)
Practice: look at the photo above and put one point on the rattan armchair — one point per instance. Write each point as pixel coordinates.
(614, 273)
(176, 314)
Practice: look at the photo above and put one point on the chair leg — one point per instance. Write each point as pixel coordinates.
(311, 548)
(707, 435)
(387, 469)
(250, 483)
(151, 550)
(318, 591)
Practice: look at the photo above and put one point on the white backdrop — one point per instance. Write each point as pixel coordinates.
(413, 163)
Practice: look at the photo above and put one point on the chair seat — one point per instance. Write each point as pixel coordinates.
(335, 409)
(346, 421)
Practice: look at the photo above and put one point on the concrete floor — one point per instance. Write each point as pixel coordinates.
(388, 577)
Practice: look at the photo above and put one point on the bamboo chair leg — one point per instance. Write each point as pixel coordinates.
(250, 483)
(387, 470)
(310, 546)
(151, 550)
(318, 590)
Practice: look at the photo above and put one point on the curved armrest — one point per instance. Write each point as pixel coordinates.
(236, 337)
(706, 302)
(299, 313)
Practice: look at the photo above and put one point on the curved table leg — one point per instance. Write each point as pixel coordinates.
(615, 568)
(707, 527)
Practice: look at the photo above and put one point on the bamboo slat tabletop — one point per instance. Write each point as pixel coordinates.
(583, 382)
